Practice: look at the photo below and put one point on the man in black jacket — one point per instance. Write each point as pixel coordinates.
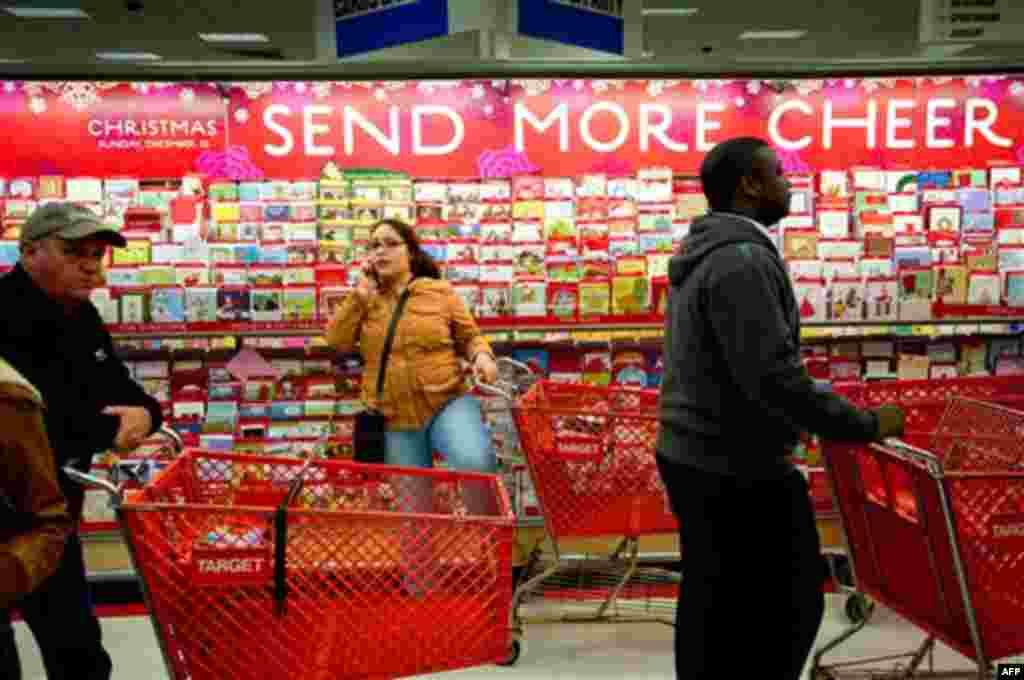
(56, 339)
(734, 400)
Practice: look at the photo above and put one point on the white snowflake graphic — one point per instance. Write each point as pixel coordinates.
(806, 87)
(37, 105)
(498, 84)
(753, 87)
(242, 116)
(255, 90)
(322, 90)
(973, 81)
(534, 87)
(740, 102)
(578, 85)
(78, 94)
(701, 85)
(869, 84)
(380, 95)
(489, 109)
(1017, 89)
(478, 92)
(849, 83)
(301, 88)
(187, 96)
(657, 87)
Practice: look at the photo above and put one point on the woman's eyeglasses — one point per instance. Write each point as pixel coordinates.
(386, 244)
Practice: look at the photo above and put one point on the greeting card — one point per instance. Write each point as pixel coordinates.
(1015, 289)
(529, 298)
(134, 308)
(563, 300)
(595, 298)
(267, 305)
(469, 293)
(167, 305)
(882, 299)
(834, 224)
(597, 368)
(951, 283)
(630, 295)
(810, 298)
(629, 369)
(944, 219)
(233, 304)
(300, 304)
(200, 305)
(496, 301)
(844, 300)
(916, 293)
(983, 288)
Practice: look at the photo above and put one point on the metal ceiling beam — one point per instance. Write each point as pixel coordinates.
(426, 69)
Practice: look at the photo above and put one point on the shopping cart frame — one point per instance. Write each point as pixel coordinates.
(915, 658)
(296, 480)
(116, 491)
(626, 553)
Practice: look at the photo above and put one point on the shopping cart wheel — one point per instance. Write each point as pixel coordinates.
(513, 654)
(858, 608)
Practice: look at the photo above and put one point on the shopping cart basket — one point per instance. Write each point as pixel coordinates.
(590, 452)
(938, 536)
(270, 568)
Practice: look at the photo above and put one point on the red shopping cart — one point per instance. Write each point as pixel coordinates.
(271, 568)
(590, 453)
(937, 536)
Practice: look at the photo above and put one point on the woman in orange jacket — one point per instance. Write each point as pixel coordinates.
(425, 396)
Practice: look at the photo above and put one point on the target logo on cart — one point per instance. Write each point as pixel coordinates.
(1010, 670)
(230, 566)
(1008, 529)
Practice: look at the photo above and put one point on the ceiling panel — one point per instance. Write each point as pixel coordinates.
(878, 32)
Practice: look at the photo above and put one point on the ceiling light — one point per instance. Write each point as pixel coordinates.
(25, 12)
(772, 35)
(128, 56)
(670, 11)
(943, 51)
(234, 37)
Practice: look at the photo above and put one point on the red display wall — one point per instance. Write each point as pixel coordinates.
(499, 128)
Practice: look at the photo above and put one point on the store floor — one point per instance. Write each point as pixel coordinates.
(633, 650)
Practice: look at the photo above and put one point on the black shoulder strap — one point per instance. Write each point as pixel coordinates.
(391, 338)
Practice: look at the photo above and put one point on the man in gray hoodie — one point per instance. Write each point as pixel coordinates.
(735, 398)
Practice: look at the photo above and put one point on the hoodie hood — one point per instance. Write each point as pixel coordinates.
(709, 233)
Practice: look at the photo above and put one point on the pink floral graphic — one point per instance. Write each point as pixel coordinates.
(505, 162)
(792, 162)
(613, 167)
(233, 163)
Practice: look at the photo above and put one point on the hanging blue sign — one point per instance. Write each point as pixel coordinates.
(367, 25)
(591, 24)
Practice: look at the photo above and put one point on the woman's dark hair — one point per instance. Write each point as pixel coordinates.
(421, 264)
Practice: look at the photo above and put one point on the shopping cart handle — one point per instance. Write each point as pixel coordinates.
(84, 479)
(170, 433)
(497, 391)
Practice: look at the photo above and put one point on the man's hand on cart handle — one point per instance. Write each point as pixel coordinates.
(485, 370)
(890, 421)
(135, 426)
